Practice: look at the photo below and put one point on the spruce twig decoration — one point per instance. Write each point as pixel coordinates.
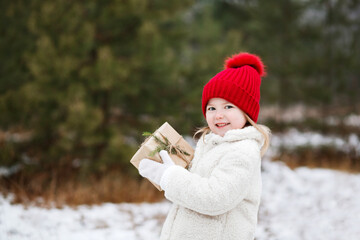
(164, 145)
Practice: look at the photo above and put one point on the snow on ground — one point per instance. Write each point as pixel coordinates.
(304, 204)
(308, 204)
(107, 221)
(294, 138)
(300, 204)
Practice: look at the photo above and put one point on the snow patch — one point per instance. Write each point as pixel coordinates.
(300, 204)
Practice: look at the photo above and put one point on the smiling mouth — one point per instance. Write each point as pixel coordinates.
(219, 125)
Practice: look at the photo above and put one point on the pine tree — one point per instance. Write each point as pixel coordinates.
(97, 74)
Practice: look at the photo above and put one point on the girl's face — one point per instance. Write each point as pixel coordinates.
(222, 116)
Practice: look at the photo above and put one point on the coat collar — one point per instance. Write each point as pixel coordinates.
(236, 135)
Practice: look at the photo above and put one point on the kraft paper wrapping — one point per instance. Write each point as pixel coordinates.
(176, 140)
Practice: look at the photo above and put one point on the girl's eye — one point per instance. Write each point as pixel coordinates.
(210, 108)
(228, 106)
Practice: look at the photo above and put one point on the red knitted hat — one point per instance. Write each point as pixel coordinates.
(239, 83)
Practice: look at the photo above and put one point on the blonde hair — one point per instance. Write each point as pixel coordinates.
(265, 131)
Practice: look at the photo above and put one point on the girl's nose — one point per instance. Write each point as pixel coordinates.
(219, 115)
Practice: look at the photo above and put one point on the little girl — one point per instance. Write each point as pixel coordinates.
(218, 196)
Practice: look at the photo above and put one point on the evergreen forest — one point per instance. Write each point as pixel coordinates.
(80, 81)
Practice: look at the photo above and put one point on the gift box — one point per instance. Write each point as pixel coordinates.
(164, 138)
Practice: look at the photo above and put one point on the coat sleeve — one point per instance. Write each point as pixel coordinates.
(223, 190)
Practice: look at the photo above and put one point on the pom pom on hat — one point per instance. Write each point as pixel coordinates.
(242, 59)
(239, 83)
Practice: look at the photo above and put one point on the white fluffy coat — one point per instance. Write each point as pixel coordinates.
(219, 197)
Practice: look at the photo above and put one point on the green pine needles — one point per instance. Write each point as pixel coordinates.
(165, 145)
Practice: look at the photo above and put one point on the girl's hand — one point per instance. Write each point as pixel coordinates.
(154, 170)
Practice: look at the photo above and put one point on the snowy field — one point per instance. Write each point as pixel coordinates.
(301, 204)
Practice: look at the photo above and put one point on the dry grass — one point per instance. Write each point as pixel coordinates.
(55, 191)
(55, 188)
(325, 157)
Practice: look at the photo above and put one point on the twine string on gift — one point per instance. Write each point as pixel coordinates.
(166, 145)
